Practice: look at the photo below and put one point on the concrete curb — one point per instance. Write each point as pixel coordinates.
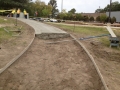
(46, 36)
(93, 61)
(17, 57)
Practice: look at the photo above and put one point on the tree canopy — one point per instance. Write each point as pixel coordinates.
(72, 11)
(38, 7)
(115, 6)
(53, 3)
(8, 4)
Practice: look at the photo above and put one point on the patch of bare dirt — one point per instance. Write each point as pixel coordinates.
(3, 25)
(61, 66)
(10, 49)
(108, 61)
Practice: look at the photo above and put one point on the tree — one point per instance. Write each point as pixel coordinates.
(113, 20)
(79, 17)
(99, 11)
(53, 3)
(86, 18)
(115, 6)
(91, 18)
(9, 4)
(46, 11)
(40, 7)
(98, 18)
(72, 11)
(103, 18)
(61, 15)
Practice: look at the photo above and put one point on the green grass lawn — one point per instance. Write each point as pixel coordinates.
(5, 20)
(87, 31)
(9, 24)
(4, 36)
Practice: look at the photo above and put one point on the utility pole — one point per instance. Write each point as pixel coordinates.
(99, 11)
(61, 6)
(110, 10)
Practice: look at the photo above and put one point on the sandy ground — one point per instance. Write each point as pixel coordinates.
(10, 49)
(108, 61)
(62, 66)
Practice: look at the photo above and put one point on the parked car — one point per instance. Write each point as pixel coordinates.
(60, 20)
(46, 20)
(53, 20)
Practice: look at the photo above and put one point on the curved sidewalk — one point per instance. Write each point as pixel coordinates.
(45, 31)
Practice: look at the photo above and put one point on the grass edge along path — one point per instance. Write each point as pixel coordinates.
(86, 31)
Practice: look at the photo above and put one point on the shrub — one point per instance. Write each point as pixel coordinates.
(91, 18)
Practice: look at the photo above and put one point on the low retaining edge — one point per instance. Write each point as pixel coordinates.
(17, 57)
(93, 61)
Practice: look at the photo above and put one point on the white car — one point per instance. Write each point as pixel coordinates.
(53, 20)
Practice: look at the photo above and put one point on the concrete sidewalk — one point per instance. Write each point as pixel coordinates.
(45, 31)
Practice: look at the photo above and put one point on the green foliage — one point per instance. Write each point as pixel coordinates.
(113, 20)
(70, 16)
(40, 7)
(4, 20)
(4, 36)
(45, 12)
(115, 6)
(98, 18)
(91, 18)
(53, 3)
(99, 10)
(62, 16)
(103, 17)
(87, 31)
(9, 4)
(72, 11)
(79, 17)
(86, 18)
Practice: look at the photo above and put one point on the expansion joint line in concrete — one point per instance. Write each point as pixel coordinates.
(93, 61)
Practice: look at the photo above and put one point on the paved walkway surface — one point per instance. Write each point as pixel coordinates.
(41, 27)
(111, 31)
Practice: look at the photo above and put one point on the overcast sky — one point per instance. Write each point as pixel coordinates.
(85, 6)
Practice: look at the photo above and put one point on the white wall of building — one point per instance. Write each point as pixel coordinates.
(115, 14)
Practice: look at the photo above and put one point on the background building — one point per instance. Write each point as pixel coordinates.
(95, 15)
(115, 14)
